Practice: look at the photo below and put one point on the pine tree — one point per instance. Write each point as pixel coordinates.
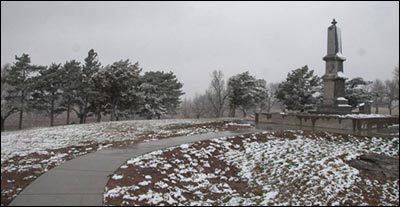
(299, 89)
(245, 92)
(161, 93)
(19, 79)
(8, 103)
(70, 74)
(85, 85)
(99, 104)
(116, 85)
(356, 91)
(47, 91)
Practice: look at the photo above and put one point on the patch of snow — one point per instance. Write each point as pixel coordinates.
(184, 146)
(340, 74)
(117, 177)
(316, 94)
(144, 183)
(364, 116)
(236, 124)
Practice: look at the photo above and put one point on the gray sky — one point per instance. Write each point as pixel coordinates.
(194, 38)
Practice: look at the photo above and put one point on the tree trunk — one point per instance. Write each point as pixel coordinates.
(98, 115)
(376, 109)
(68, 111)
(233, 111)
(52, 113)
(244, 113)
(218, 113)
(2, 123)
(112, 112)
(112, 109)
(81, 117)
(85, 109)
(21, 113)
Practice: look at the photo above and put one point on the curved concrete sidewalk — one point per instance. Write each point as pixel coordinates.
(81, 181)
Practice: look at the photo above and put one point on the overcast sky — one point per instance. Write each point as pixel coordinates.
(194, 38)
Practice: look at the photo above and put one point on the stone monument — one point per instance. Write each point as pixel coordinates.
(330, 115)
(334, 78)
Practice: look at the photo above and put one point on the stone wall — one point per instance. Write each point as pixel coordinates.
(326, 121)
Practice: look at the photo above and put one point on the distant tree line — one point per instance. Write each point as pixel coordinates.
(120, 90)
(87, 89)
(301, 91)
(242, 92)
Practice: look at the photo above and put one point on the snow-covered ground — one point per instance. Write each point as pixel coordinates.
(26, 154)
(39, 139)
(289, 168)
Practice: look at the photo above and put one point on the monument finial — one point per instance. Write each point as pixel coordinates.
(334, 22)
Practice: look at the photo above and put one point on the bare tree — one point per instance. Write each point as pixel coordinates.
(271, 100)
(392, 94)
(200, 105)
(186, 108)
(217, 93)
(378, 93)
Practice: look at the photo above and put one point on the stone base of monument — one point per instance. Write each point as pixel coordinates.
(340, 106)
(352, 123)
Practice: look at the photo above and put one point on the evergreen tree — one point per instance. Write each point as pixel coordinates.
(19, 79)
(85, 85)
(356, 91)
(116, 87)
(161, 93)
(47, 91)
(8, 103)
(70, 75)
(246, 92)
(299, 89)
(99, 104)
